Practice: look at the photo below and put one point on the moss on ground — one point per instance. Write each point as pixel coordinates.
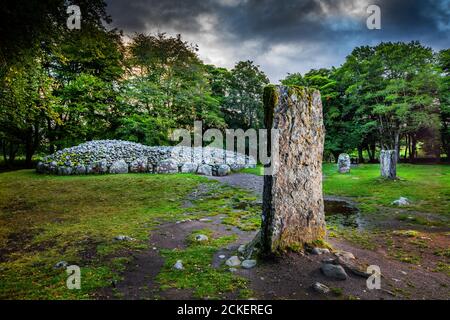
(199, 275)
(47, 219)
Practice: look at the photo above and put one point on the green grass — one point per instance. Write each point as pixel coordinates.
(428, 186)
(198, 275)
(47, 219)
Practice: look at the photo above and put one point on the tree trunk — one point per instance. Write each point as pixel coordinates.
(360, 155)
(293, 210)
(413, 149)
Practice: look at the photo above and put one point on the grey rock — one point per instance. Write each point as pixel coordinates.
(178, 265)
(401, 202)
(98, 156)
(334, 271)
(64, 171)
(139, 165)
(345, 255)
(233, 262)
(248, 264)
(321, 288)
(319, 251)
(119, 167)
(205, 170)
(223, 170)
(201, 238)
(123, 238)
(232, 270)
(79, 170)
(189, 167)
(168, 166)
(241, 248)
(99, 167)
(344, 163)
(222, 256)
(41, 167)
(61, 265)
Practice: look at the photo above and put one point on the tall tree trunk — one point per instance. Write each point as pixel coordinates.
(405, 156)
(397, 145)
(413, 149)
(360, 154)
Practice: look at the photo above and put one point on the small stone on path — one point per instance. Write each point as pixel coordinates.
(334, 271)
(248, 264)
(233, 262)
(321, 288)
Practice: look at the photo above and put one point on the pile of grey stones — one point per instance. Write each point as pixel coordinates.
(120, 157)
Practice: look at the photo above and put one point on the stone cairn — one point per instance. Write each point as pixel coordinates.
(120, 157)
(293, 207)
(388, 164)
(344, 163)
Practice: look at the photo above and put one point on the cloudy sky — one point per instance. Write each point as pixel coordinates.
(284, 36)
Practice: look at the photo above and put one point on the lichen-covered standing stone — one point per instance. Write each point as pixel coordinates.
(293, 208)
(388, 164)
(344, 163)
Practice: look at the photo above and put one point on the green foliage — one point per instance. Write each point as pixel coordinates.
(243, 106)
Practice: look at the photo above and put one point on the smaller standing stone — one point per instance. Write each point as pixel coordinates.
(388, 164)
(344, 163)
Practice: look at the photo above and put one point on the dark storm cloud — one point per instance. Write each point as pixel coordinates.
(284, 35)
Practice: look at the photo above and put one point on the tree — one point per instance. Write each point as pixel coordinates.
(243, 107)
(444, 97)
(167, 87)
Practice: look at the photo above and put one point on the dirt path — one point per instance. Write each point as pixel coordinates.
(290, 277)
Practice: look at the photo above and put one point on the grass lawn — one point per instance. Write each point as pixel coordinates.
(428, 186)
(47, 219)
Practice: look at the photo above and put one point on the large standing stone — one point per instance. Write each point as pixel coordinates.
(388, 164)
(344, 163)
(293, 208)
